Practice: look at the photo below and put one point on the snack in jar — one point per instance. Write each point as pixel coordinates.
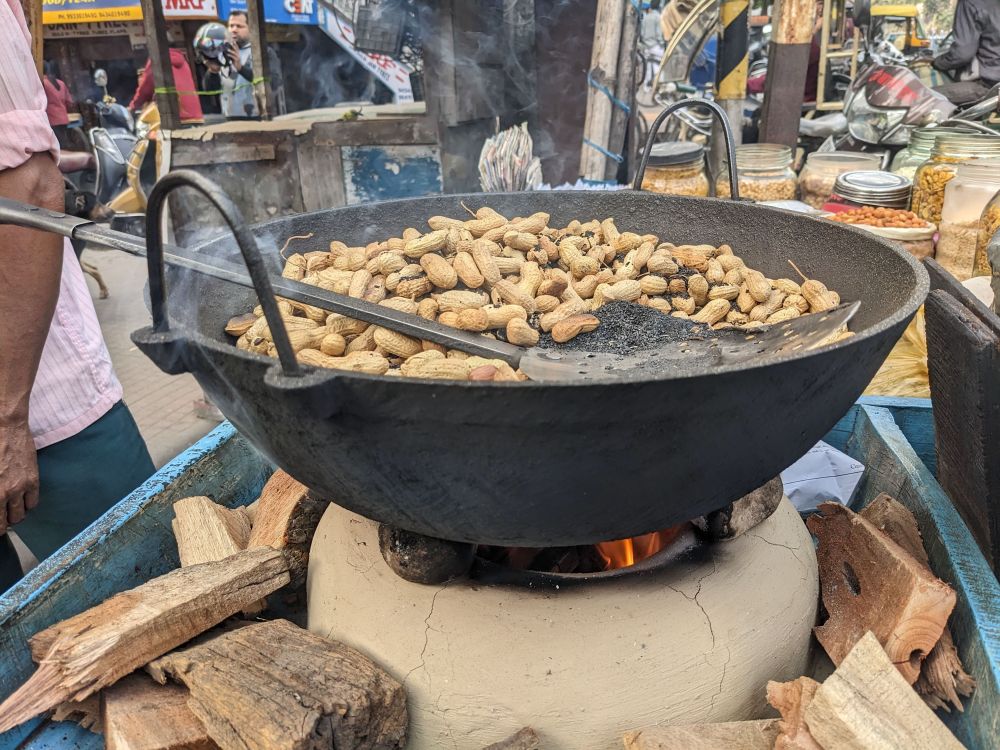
(915, 235)
(950, 150)
(989, 225)
(820, 173)
(965, 199)
(868, 188)
(677, 169)
(764, 171)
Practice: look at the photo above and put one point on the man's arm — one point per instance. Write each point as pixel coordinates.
(30, 267)
(966, 41)
(144, 91)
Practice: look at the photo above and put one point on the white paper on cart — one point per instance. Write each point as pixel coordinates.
(824, 474)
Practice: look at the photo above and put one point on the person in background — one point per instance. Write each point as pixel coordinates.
(58, 103)
(184, 83)
(238, 99)
(974, 53)
(69, 448)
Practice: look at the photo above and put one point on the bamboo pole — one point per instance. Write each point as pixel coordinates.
(786, 75)
(155, 25)
(33, 17)
(603, 72)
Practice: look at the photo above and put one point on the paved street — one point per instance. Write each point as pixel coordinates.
(163, 405)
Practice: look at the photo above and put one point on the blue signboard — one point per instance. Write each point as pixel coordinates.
(276, 11)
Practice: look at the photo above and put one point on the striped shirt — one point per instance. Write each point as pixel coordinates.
(76, 384)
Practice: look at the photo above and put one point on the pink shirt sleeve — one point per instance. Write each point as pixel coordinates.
(24, 126)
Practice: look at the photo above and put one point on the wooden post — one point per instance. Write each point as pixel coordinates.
(159, 54)
(258, 53)
(603, 72)
(786, 74)
(33, 16)
(731, 73)
(624, 88)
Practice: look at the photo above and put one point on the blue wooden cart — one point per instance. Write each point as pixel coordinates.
(133, 542)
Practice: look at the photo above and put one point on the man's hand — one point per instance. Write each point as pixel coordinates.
(18, 474)
(30, 264)
(233, 55)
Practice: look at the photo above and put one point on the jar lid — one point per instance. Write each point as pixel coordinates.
(672, 154)
(873, 188)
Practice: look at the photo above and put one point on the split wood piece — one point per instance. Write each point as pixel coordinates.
(868, 582)
(86, 713)
(274, 686)
(867, 705)
(942, 677)
(79, 656)
(733, 735)
(206, 531)
(791, 700)
(139, 714)
(523, 739)
(285, 517)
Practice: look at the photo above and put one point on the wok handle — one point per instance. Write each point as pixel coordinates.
(33, 217)
(244, 239)
(720, 115)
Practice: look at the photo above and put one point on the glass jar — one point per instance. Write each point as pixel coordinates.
(989, 225)
(677, 169)
(859, 189)
(950, 150)
(764, 171)
(820, 172)
(916, 152)
(965, 199)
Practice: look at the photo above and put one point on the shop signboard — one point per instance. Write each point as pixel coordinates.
(93, 29)
(289, 12)
(96, 11)
(392, 73)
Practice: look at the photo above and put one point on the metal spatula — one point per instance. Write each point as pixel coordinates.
(722, 348)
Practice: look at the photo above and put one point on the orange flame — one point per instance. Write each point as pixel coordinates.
(626, 552)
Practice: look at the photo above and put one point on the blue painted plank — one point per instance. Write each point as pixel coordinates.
(62, 735)
(125, 547)
(912, 415)
(378, 173)
(894, 467)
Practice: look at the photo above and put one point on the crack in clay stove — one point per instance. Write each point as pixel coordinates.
(708, 620)
(722, 679)
(773, 544)
(427, 637)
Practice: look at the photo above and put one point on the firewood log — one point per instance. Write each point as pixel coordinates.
(139, 714)
(86, 713)
(791, 700)
(206, 531)
(523, 739)
(285, 517)
(79, 656)
(942, 677)
(866, 704)
(870, 583)
(274, 686)
(733, 735)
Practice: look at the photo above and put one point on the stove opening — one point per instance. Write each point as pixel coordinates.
(588, 558)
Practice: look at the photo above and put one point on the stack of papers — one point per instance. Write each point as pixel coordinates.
(506, 163)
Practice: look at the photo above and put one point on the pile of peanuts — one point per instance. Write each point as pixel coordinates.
(878, 216)
(512, 279)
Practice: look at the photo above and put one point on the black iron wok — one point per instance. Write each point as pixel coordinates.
(547, 464)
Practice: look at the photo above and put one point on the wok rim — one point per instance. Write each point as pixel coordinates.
(902, 314)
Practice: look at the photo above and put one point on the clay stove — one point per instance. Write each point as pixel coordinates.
(690, 634)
